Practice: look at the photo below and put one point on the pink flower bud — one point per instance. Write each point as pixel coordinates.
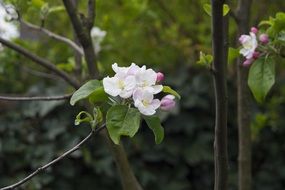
(247, 62)
(256, 55)
(254, 30)
(167, 103)
(263, 38)
(159, 77)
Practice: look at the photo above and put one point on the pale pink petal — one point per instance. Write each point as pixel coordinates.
(110, 86)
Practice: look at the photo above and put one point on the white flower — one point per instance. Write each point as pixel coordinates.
(119, 85)
(249, 44)
(146, 80)
(7, 29)
(135, 81)
(131, 70)
(96, 32)
(97, 36)
(145, 103)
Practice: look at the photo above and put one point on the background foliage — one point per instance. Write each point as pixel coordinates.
(166, 35)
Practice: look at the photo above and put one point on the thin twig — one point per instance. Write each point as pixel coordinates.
(234, 16)
(35, 98)
(39, 73)
(54, 36)
(42, 168)
(91, 13)
(83, 33)
(41, 61)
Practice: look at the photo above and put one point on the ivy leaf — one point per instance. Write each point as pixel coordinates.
(85, 91)
(153, 123)
(122, 121)
(261, 77)
(168, 89)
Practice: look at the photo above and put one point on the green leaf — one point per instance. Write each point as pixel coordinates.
(56, 9)
(85, 91)
(261, 77)
(265, 22)
(122, 121)
(168, 89)
(37, 3)
(98, 117)
(226, 9)
(233, 54)
(80, 119)
(205, 60)
(99, 95)
(153, 123)
(208, 9)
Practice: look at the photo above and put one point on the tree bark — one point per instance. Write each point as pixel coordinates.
(219, 74)
(128, 179)
(243, 104)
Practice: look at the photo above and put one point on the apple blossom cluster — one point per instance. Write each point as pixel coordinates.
(139, 85)
(251, 43)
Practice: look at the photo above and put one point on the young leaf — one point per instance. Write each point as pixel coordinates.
(85, 90)
(205, 60)
(122, 121)
(261, 77)
(226, 9)
(153, 123)
(208, 9)
(80, 119)
(169, 90)
(56, 9)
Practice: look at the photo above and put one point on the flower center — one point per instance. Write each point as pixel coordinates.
(145, 103)
(121, 84)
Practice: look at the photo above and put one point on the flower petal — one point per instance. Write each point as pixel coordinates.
(110, 86)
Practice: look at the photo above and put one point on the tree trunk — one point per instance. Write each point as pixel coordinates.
(128, 179)
(219, 74)
(243, 104)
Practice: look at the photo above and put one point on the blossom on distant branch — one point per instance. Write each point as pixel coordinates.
(97, 36)
(8, 30)
(249, 44)
(253, 45)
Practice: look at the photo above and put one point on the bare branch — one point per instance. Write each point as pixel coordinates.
(35, 98)
(83, 33)
(54, 36)
(41, 61)
(40, 73)
(91, 13)
(42, 168)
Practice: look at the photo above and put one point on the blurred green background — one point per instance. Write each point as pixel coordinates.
(166, 35)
